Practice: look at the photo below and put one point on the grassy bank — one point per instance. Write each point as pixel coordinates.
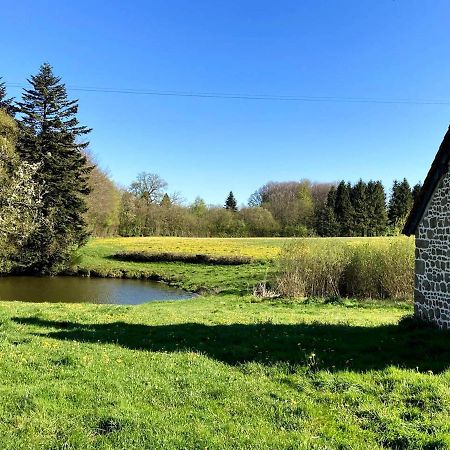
(366, 262)
(221, 372)
(97, 259)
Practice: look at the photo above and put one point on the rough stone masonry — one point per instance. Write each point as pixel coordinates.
(432, 282)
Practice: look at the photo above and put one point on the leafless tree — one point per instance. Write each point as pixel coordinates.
(149, 187)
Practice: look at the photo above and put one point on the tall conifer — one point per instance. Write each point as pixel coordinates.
(360, 208)
(51, 137)
(230, 202)
(400, 203)
(416, 191)
(343, 209)
(376, 204)
(325, 218)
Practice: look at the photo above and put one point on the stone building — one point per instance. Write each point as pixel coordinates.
(430, 222)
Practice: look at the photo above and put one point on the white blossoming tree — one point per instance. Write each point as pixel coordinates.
(20, 199)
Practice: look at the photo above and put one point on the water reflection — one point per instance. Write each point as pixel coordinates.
(86, 290)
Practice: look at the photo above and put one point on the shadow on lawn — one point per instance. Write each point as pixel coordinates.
(335, 347)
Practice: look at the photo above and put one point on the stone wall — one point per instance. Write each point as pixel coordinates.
(432, 284)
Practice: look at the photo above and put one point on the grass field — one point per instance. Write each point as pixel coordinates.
(95, 259)
(224, 371)
(221, 372)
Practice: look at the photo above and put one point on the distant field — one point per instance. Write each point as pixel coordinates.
(95, 259)
(258, 248)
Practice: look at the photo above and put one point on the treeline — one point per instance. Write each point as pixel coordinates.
(160, 214)
(361, 209)
(300, 208)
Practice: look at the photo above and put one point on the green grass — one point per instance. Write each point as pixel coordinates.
(221, 372)
(97, 259)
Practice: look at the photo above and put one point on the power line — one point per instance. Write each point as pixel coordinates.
(241, 96)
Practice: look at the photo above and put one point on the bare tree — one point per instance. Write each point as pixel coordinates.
(149, 187)
(319, 192)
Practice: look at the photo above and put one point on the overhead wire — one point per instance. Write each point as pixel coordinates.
(243, 96)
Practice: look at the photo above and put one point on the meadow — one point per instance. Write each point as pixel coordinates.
(96, 259)
(224, 370)
(368, 259)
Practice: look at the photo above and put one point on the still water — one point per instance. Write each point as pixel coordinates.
(87, 290)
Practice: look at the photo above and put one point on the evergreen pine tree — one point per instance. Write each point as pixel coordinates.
(376, 205)
(325, 222)
(416, 191)
(400, 203)
(6, 103)
(343, 209)
(331, 198)
(166, 202)
(50, 136)
(360, 209)
(230, 203)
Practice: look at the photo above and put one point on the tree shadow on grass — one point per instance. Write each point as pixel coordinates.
(335, 347)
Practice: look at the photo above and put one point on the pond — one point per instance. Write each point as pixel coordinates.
(87, 290)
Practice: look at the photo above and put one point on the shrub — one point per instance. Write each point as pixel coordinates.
(355, 268)
(182, 257)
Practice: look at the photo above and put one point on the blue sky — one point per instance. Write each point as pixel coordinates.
(379, 49)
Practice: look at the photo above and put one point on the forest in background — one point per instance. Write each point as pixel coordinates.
(294, 208)
(93, 204)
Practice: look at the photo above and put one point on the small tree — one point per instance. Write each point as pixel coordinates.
(305, 204)
(230, 203)
(166, 202)
(416, 191)
(258, 222)
(103, 203)
(198, 208)
(326, 224)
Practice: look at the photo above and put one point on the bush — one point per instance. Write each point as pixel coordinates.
(354, 268)
(182, 257)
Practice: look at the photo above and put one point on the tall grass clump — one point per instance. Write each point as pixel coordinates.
(312, 268)
(359, 268)
(397, 268)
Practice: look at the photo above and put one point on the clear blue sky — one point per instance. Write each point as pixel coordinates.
(381, 49)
